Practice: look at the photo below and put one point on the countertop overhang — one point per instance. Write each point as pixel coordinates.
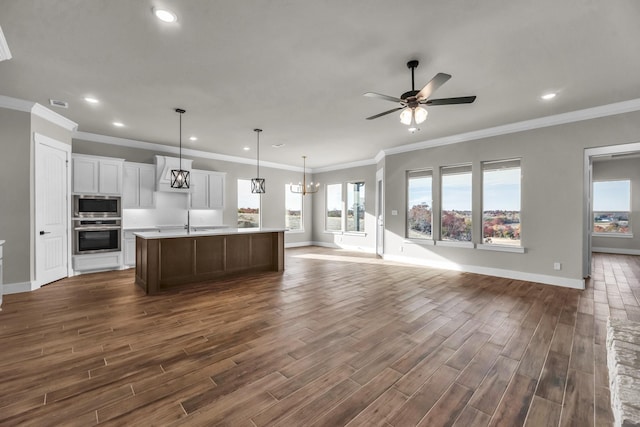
(160, 234)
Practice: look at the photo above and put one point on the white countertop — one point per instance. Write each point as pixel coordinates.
(161, 234)
(164, 228)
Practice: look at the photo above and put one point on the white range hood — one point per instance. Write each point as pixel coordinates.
(164, 165)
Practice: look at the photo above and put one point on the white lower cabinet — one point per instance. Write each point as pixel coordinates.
(95, 262)
(129, 249)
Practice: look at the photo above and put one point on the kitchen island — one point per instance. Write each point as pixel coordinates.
(173, 258)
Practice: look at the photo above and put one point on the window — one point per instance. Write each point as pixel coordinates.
(611, 207)
(419, 204)
(355, 206)
(353, 212)
(334, 207)
(456, 203)
(248, 205)
(293, 210)
(501, 202)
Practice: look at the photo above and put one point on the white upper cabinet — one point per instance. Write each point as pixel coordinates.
(85, 175)
(207, 189)
(216, 190)
(199, 190)
(138, 185)
(97, 175)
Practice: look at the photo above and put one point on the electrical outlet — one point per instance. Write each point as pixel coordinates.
(557, 266)
(394, 212)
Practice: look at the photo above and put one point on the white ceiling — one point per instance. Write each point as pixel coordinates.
(298, 69)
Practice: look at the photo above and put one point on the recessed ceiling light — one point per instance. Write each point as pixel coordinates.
(118, 124)
(91, 100)
(193, 138)
(246, 148)
(548, 96)
(277, 145)
(165, 15)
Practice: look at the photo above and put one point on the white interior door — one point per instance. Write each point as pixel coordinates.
(52, 209)
(379, 214)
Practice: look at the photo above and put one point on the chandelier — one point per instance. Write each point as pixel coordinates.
(302, 187)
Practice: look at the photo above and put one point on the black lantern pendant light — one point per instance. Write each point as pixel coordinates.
(257, 184)
(180, 177)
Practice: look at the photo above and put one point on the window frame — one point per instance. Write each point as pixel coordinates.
(326, 208)
(419, 173)
(498, 246)
(287, 189)
(344, 208)
(362, 192)
(628, 234)
(465, 168)
(238, 200)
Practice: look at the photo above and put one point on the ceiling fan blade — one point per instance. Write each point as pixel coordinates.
(385, 113)
(450, 101)
(435, 83)
(381, 96)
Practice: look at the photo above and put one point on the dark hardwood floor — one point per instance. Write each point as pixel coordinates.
(338, 339)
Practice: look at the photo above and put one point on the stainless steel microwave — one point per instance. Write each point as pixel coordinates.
(88, 206)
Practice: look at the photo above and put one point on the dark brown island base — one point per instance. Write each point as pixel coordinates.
(168, 259)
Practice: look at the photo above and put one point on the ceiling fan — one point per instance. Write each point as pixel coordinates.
(410, 102)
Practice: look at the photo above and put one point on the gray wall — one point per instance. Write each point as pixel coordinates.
(364, 241)
(552, 193)
(17, 188)
(621, 169)
(15, 207)
(273, 201)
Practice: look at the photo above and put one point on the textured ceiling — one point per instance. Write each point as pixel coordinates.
(298, 69)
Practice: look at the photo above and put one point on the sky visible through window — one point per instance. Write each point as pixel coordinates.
(334, 197)
(501, 190)
(420, 191)
(611, 196)
(456, 192)
(246, 199)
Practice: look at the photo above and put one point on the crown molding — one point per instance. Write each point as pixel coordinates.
(151, 146)
(541, 122)
(344, 166)
(16, 104)
(5, 53)
(54, 117)
(38, 110)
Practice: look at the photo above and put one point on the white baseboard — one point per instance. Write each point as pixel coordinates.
(346, 247)
(16, 288)
(297, 244)
(498, 272)
(616, 251)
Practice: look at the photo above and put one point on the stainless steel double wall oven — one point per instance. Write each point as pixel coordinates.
(97, 224)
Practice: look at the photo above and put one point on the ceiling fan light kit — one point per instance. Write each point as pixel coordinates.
(411, 102)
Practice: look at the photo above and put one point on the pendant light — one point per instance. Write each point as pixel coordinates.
(180, 177)
(302, 187)
(257, 184)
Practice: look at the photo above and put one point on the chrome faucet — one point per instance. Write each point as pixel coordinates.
(188, 221)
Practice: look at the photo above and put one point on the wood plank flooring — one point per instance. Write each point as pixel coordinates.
(338, 339)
